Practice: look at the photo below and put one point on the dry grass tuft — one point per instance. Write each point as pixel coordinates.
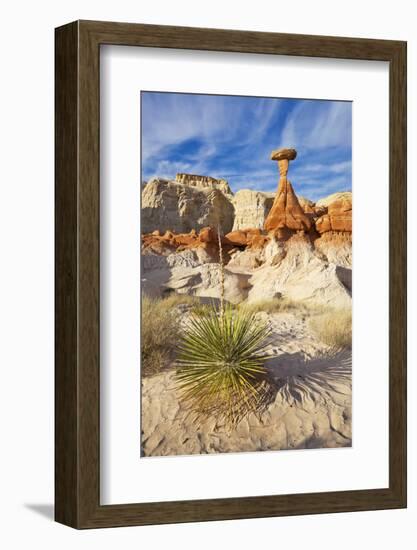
(334, 327)
(160, 331)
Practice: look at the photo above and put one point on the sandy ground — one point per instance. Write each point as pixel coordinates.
(310, 406)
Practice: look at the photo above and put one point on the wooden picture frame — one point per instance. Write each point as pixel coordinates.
(77, 382)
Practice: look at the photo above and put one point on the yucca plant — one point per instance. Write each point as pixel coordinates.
(220, 363)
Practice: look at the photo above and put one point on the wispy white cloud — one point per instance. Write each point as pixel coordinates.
(318, 124)
(319, 168)
(169, 119)
(166, 168)
(317, 192)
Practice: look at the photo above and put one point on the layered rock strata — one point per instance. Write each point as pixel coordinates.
(251, 208)
(172, 206)
(204, 182)
(338, 217)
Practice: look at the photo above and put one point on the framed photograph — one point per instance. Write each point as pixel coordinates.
(230, 274)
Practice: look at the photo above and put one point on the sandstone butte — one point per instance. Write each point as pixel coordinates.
(286, 211)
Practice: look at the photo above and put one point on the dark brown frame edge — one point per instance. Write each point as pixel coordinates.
(77, 274)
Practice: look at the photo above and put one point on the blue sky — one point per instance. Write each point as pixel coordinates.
(232, 137)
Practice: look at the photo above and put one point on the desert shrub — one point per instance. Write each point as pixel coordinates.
(333, 327)
(280, 305)
(160, 331)
(201, 310)
(204, 309)
(173, 300)
(220, 363)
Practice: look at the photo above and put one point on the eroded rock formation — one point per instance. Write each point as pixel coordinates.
(170, 242)
(246, 237)
(307, 205)
(206, 240)
(251, 208)
(204, 182)
(325, 201)
(274, 245)
(286, 212)
(180, 208)
(295, 269)
(338, 217)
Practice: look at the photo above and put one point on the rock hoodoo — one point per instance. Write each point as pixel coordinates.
(286, 211)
